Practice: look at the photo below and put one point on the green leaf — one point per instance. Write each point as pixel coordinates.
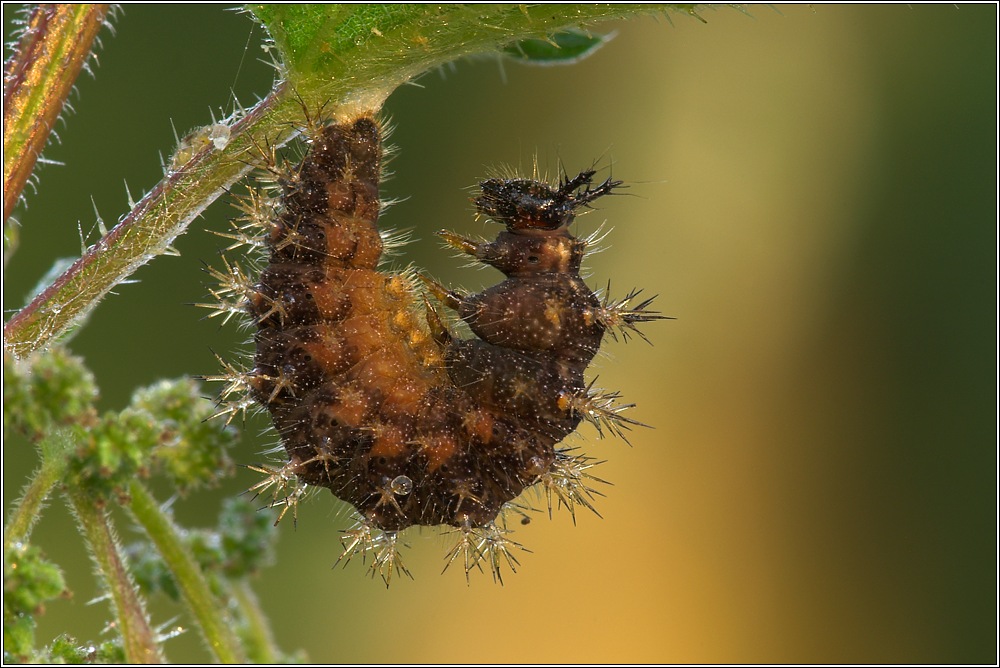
(334, 48)
(562, 48)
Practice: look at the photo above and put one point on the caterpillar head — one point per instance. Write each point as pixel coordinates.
(525, 204)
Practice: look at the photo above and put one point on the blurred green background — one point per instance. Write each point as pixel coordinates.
(812, 196)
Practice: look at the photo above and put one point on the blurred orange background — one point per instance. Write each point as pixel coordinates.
(812, 194)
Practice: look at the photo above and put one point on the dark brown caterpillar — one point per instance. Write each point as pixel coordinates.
(375, 399)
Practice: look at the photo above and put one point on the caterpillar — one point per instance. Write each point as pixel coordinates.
(373, 395)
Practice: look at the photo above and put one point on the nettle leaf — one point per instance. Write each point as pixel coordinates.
(562, 48)
(334, 47)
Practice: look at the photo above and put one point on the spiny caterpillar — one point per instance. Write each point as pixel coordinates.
(375, 398)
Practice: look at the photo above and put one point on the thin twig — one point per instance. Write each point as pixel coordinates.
(133, 623)
(212, 618)
(38, 77)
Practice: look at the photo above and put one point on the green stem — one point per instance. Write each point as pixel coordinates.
(53, 448)
(257, 637)
(214, 621)
(37, 80)
(138, 638)
(150, 227)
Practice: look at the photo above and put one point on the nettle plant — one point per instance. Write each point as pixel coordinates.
(334, 64)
